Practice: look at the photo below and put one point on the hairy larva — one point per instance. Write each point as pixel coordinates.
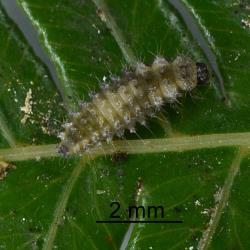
(130, 99)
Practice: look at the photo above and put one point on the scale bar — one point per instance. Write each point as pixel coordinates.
(140, 221)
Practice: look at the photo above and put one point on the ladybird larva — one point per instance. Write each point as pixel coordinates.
(129, 100)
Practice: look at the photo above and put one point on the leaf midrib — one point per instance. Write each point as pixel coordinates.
(176, 144)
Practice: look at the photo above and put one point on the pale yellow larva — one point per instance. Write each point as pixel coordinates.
(133, 98)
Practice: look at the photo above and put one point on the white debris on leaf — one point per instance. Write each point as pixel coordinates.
(27, 108)
(211, 212)
(100, 192)
(104, 78)
(197, 203)
(206, 211)
(246, 22)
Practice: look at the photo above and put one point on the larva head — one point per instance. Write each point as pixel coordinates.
(202, 73)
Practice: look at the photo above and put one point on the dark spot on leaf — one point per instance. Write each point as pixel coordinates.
(177, 209)
(35, 229)
(39, 243)
(119, 157)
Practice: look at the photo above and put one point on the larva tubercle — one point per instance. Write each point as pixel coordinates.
(131, 99)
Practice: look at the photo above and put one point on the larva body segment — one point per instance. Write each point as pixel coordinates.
(132, 99)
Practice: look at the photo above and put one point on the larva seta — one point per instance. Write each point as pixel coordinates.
(130, 99)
